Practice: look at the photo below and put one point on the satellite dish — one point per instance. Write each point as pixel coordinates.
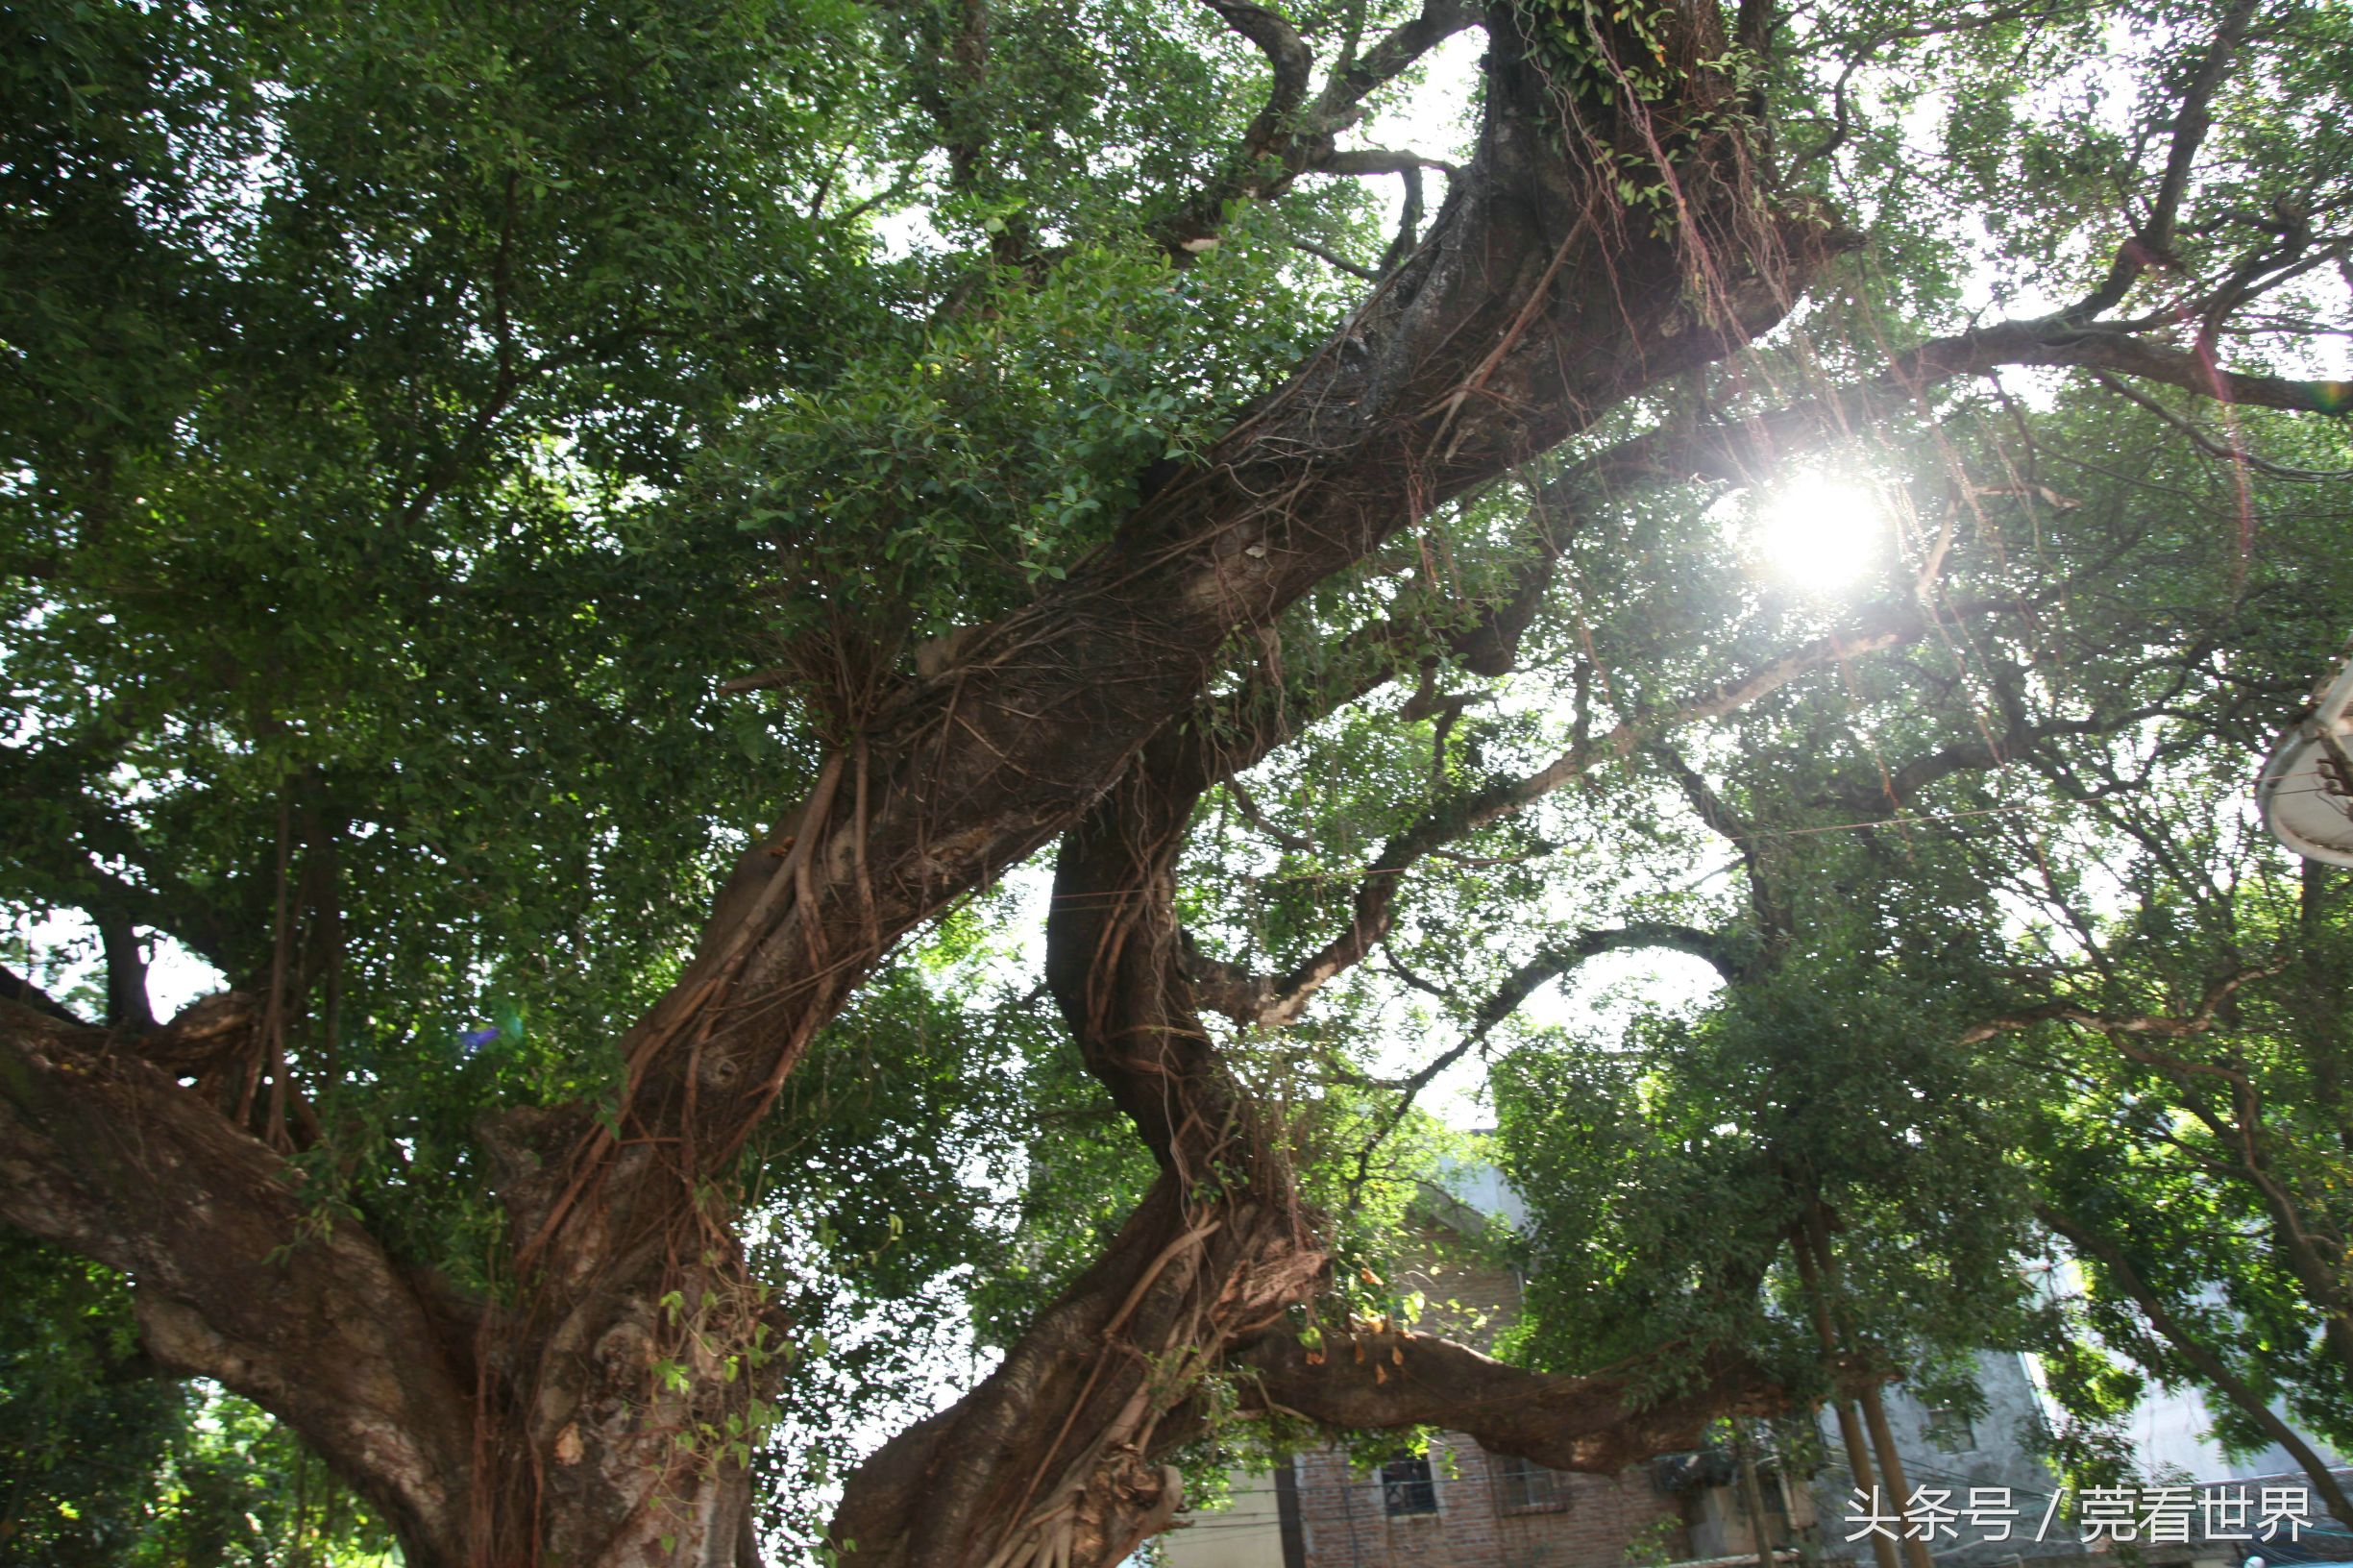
(2306, 791)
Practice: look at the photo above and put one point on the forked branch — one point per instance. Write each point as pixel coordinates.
(1292, 135)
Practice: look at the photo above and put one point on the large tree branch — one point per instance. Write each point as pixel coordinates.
(1599, 1424)
(1896, 789)
(1054, 1457)
(1202, 1265)
(1118, 962)
(1364, 161)
(2152, 240)
(234, 1275)
(1049, 1459)
(1289, 58)
(950, 78)
(2122, 1027)
(2129, 353)
(1752, 447)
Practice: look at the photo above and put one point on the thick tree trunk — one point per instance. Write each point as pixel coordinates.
(1537, 304)
(1053, 1458)
(587, 1422)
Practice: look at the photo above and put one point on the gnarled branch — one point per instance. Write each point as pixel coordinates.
(2152, 241)
(1598, 1424)
(234, 1275)
(1292, 135)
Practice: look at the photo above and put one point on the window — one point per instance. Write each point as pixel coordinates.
(1777, 1525)
(1950, 1429)
(1405, 1486)
(1525, 1487)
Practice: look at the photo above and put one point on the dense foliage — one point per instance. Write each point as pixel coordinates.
(461, 470)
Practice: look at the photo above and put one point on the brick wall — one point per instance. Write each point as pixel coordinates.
(1346, 1523)
(1469, 1299)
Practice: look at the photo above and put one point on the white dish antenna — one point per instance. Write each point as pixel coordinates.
(2306, 791)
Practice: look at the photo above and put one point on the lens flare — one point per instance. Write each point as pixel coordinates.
(1823, 534)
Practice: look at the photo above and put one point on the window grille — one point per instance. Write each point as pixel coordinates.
(1950, 1429)
(1525, 1487)
(1407, 1486)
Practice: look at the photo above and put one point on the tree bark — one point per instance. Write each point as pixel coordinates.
(1052, 1459)
(1599, 1424)
(235, 1276)
(1849, 1425)
(559, 1429)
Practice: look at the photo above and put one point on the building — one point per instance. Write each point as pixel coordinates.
(1989, 1457)
(1461, 1506)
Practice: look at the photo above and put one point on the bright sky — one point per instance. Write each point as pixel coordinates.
(66, 954)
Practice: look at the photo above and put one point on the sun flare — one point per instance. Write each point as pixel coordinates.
(1822, 534)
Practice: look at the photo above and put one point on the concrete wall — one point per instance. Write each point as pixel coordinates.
(1996, 1453)
(1247, 1534)
(2171, 1431)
